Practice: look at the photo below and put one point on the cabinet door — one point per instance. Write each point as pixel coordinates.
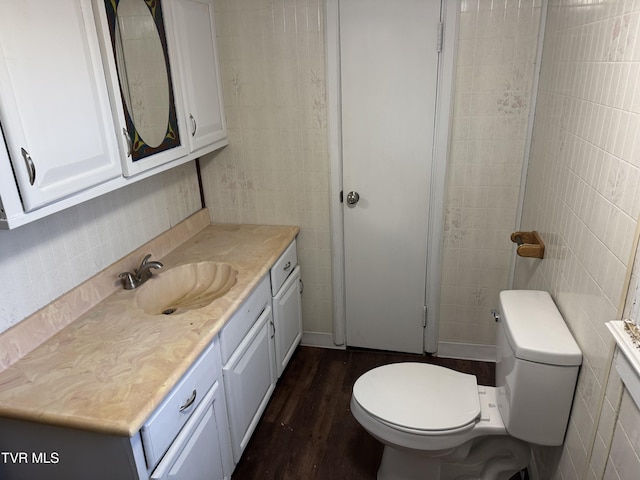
(287, 316)
(195, 453)
(195, 29)
(54, 103)
(249, 380)
(139, 49)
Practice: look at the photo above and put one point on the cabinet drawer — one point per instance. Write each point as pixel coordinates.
(244, 318)
(283, 267)
(164, 424)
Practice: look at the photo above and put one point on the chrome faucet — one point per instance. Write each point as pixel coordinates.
(140, 274)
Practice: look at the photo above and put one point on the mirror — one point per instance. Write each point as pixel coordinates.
(140, 48)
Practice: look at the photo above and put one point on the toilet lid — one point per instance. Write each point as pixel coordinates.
(419, 396)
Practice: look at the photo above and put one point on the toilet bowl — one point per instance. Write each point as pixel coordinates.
(431, 436)
(437, 423)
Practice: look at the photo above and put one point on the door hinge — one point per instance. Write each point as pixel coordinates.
(341, 196)
(440, 39)
(424, 316)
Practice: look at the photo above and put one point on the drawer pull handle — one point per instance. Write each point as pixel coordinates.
(287, 266)
(189, 401)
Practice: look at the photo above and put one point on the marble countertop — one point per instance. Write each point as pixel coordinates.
(109, 369)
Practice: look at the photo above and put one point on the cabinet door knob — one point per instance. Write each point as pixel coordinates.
(287, 266)
(31, 168)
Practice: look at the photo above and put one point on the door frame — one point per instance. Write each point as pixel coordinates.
(449, 17)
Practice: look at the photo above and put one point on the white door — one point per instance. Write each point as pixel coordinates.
(54, 103)
(389, 67)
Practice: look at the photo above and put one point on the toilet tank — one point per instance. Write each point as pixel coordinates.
(537, 367)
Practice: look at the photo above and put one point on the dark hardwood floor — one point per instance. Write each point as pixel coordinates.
(307, 431)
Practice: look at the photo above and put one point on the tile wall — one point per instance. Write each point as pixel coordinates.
(582, 195)
(623, 461)
(276, 167)
(42, 260)
(616, 444)
(497, 48)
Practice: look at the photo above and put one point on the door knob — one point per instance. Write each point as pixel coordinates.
(352, 198)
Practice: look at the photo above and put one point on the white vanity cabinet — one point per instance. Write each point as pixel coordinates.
(196, 453)
(257, 343)
(196, 37)
(248, 365)
(194, 410)
(187, 437)
(98, 94)
(286, 288)
(54, 104)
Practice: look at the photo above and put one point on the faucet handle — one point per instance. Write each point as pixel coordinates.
(128, 280)
(146, 263)
(144, 260)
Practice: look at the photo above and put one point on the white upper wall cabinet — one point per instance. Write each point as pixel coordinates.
(98, 94)
(54, 103)
(165, 80)
(196, 36)
(148, 105)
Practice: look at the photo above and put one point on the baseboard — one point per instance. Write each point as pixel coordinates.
(467, 351)
(319, 339)
(464, 351)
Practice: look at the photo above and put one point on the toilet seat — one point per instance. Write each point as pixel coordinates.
(419, 398)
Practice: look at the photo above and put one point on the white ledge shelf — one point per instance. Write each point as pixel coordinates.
(627, 359)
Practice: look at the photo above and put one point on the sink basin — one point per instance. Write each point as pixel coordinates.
(184, 288)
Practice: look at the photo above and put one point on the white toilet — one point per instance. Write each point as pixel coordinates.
(437, 423)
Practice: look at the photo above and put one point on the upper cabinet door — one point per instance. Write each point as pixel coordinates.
(54, 103)
(198, 56)
(147, 100)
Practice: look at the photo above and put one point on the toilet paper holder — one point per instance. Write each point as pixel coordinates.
(529, 244)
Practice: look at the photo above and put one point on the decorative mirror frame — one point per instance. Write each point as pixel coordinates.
(140, 149)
